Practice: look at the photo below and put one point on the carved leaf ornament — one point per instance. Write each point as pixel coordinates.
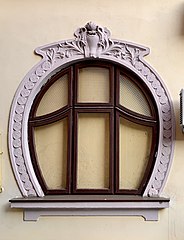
(91, 41)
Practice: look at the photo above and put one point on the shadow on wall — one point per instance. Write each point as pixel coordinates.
(181, 33)
(179, 134)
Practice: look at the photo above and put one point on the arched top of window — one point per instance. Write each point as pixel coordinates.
(102, 101)
(92, 78)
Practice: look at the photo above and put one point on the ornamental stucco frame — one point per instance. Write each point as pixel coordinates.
(91, 41)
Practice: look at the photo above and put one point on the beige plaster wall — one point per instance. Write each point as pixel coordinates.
(25, 25)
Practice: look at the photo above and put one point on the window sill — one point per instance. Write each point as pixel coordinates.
(77, 205)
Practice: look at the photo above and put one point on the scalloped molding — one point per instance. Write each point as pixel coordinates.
(91, 41)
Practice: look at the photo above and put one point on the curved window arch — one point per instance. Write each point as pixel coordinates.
(101, 101)
(142, 107)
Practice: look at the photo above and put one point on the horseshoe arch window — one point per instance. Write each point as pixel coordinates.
(93, 123)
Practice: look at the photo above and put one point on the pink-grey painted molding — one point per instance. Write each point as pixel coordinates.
(57, 206)
(91, 41)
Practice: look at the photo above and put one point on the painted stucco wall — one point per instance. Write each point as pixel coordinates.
(25, 25)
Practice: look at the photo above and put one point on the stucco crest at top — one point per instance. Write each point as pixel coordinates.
(91, 41)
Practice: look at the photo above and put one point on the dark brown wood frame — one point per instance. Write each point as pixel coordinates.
(150, 121)
(32, 125)
(115, 110)
(37, 121)
(151, 160)
(50, 116)
(111, 152)
(142, 86)
(111, 84)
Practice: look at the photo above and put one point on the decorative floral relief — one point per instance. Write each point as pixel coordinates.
(92, 41)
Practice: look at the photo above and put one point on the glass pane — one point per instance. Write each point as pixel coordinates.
(55, 98)
(51, 149)
(93, 151)
(135, 147)
(132, 97)
(93, 85)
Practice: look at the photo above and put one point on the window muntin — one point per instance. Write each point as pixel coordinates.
(115, 111)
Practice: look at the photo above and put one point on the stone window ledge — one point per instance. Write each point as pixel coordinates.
(89, 205)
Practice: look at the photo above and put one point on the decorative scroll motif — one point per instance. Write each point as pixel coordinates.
(167, 124)
(91, 41)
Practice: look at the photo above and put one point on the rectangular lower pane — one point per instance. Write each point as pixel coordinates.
(51, 149)
(134, 151)
(93, 151)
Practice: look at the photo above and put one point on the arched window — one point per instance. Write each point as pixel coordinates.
(92, 123)
(93, 128)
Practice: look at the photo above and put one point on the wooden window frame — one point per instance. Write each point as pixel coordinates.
(113, 107)
(111, 152)
(92, 64)
(150, 121)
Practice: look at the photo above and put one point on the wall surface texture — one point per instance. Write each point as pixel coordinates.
(25, 25)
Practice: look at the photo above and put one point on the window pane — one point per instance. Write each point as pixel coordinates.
(135, 147)
(51, 149)
(132, 97)
(93, 151)
(55, 98)
(93, 85)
